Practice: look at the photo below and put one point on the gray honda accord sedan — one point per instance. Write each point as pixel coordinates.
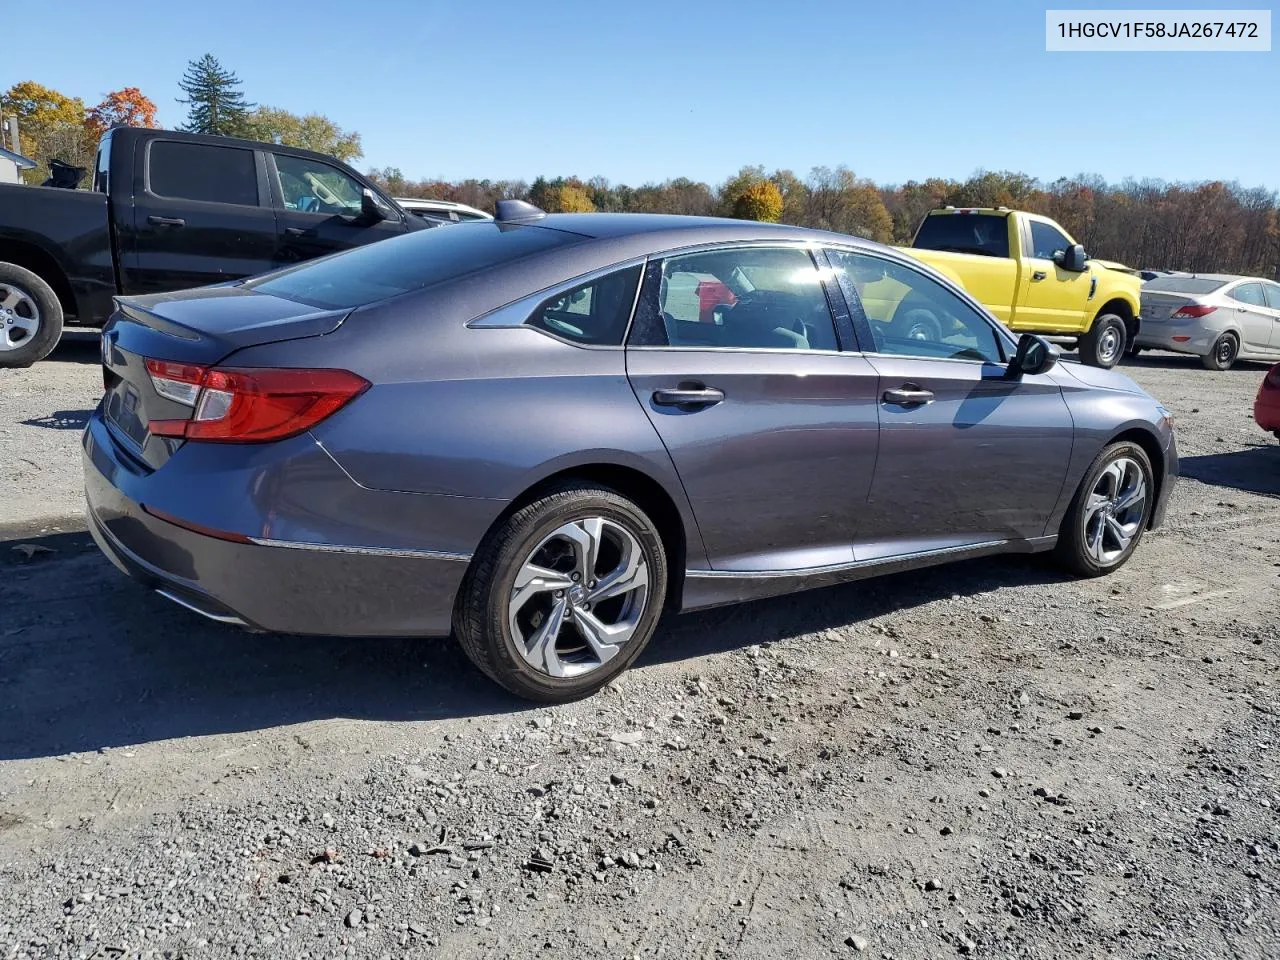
(541, 432)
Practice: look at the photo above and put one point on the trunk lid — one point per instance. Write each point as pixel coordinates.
(1158, 307)
(200, 327)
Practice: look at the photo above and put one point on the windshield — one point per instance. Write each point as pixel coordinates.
(984, 234)
(389, 268)
(1183, 284)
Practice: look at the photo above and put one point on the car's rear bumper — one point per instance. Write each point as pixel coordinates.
(264, 584)
(1196, 339)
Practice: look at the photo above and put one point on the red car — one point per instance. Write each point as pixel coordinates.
(1266, 409)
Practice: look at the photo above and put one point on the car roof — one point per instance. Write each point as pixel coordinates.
(661, 229)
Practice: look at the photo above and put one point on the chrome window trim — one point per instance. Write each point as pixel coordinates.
(779, 351)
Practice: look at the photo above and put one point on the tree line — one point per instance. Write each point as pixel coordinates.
(1210, 226)
(1213, 226)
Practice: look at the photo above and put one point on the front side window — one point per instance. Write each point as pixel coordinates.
(912, 315)
(200, 171)
(309, 186)
(768, 298)
(1046, 240)
(593, 313)
(1250, 293)
(1272, 292)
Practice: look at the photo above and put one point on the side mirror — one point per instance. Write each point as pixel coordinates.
(1073, 258)
(1034, 355)
(371, 209)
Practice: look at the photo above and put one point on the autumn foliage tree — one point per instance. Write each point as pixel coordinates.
(125, 107)
(51, 124)
(759, 201)
(312, 131)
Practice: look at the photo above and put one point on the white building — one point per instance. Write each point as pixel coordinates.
(11, 164)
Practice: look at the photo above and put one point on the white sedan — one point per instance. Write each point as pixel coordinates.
(1218, 317)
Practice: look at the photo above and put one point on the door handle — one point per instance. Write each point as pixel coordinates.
(1038, 276)
(908, 395)
(296, 231)
(688, 397)
(166, 221)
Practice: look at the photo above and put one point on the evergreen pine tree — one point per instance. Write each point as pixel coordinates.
(215, 102)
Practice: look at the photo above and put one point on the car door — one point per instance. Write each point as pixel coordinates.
(201, 215)
(318, 209)
(734, 356)
(1050, 298)
(967, 454)
(1252, 316)
(1271, 292)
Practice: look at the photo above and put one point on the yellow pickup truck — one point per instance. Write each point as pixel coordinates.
(1028, 271)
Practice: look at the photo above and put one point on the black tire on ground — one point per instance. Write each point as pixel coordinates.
(1104, 344)
(1072, 550)
(1223, 354)
(480, 619)
(20, 290)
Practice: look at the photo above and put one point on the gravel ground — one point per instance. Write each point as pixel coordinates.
(984, 759)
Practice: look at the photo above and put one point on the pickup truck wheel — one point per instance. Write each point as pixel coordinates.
(30, 317)
(917, 323)
(1104, 344)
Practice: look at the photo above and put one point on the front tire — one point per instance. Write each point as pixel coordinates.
(30, 317)
(1104, 344)
(1223, 354)
(564, 594)
(1109, 513)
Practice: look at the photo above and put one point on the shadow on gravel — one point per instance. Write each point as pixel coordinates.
(1255, 469)
(61, 420)
(89, 659)
(77, 346)
(1166, 361)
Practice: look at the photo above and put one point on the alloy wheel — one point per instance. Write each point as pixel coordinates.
(19, 317)
(578, 597)
(1115, 510)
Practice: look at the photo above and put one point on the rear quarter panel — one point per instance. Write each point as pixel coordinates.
(484, 413)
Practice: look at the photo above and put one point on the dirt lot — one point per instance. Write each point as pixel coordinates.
(984, 759)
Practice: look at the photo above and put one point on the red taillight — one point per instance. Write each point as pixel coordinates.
(1192, 310)
(251, 405)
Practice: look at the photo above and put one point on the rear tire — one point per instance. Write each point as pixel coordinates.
(1225, 350)
(1104, 344)
(1101, 530)
(30, 317)
(537, 571)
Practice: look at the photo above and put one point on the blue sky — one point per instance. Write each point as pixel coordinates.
(637, 92)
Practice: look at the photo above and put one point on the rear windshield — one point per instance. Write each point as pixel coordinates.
(389, 268)
(1183, 284)
(986, 234)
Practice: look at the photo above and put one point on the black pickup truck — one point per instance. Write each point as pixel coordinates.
(168, 211)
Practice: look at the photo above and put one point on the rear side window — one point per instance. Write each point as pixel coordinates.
(984, 234)
(414, 261)
(595, 313)
(1250, 293)
(764, 298)
(198, 171)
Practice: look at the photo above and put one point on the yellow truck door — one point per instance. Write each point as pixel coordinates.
(1051, 298)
